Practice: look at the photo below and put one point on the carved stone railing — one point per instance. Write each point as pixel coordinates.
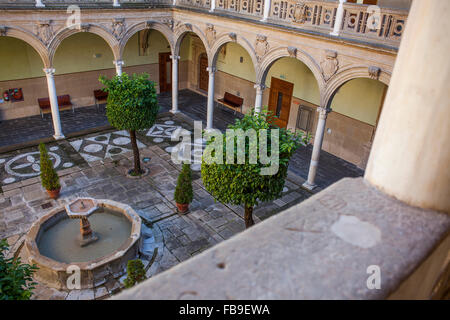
(314, 16)
(359, 21)
(250, 7)
(195, 3)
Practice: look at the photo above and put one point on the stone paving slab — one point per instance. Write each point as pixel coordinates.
(167, 237)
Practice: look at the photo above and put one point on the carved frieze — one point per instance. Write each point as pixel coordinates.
(292, 52)
(3, 30)
(329, 64)
(210, 33)
(233, 36)
(300, 12)
(374, 72)
(44, 31)
(261, 46)
(118, 27)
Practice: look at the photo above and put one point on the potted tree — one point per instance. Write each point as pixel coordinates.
(49, 177)
(183, 192)
(132, 105)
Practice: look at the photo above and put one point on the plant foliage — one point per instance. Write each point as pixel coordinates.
(183, 190)
(49, 177)
(243, 184)
(135, 273)
(16, 282)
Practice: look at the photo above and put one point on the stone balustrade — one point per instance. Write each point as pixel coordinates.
(359, 22)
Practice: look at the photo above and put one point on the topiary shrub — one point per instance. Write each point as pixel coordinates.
(49, 177)
(132, 105)
(135, 273)
(183, 191)
(16, 278)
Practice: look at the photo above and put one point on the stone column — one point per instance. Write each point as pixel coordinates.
(210, 112)
(175, 84)
(266, 11)
(49, 73)
(410, 156)
(213, 5)
(118, 64)
(259, 94)
(339, 18)
(116, 3)
(318, 139)
(39, 4)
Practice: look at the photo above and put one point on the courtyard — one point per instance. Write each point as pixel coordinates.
(94, 165)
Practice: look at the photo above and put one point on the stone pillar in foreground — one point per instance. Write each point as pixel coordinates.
(259, 95)
(174, 83)
(118, 64)
(49, 73)
(213, 5)
(318, 139)
(210, 112)
(410, 156)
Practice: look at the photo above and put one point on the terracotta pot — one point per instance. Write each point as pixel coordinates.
(54, 194)
(182, 207)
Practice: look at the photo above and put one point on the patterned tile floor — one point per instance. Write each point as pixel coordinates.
(167, 237)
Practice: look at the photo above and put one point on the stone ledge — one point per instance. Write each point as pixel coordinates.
(319, 249)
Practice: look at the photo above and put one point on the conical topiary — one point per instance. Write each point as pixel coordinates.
(49, 177)
(135, 273)
(183, 191)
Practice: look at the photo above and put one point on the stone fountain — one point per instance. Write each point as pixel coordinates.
(56, 242)
(82, 209)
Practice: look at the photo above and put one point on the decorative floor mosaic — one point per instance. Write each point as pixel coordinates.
(102, 146)
(15, 167)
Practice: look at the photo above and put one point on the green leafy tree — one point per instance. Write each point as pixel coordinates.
(132, 105)
(183, 190)
(49, 177)
(16, 278)
(135, 273)
(243, 183)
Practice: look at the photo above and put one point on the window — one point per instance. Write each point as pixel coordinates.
(305, 118)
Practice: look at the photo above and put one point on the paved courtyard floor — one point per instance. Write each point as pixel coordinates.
(94, 166)
(193, 105)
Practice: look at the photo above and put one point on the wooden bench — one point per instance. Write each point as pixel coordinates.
(63, 104)
(100, 95)
(231, 101)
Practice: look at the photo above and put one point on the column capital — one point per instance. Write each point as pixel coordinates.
(118, 62)
(211, 69)
(49, 71)
(259, 86)
(323, 112)
(173, 57)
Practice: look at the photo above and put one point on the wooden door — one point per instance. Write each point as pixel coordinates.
(165, 72)
(280, 100)
(203, 73)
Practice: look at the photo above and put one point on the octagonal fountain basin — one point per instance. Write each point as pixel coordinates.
(96, 236)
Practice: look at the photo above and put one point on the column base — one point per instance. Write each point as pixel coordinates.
(59, 137)
(309, 186)
(174, 111)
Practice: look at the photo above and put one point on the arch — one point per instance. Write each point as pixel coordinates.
(339, 79)
(290, 52)
(91, 28)
(161, 27)
(182, 31)
(32, 40)
(225, 38)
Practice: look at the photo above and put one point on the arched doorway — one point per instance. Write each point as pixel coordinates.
(292, 93)
(351, 126)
